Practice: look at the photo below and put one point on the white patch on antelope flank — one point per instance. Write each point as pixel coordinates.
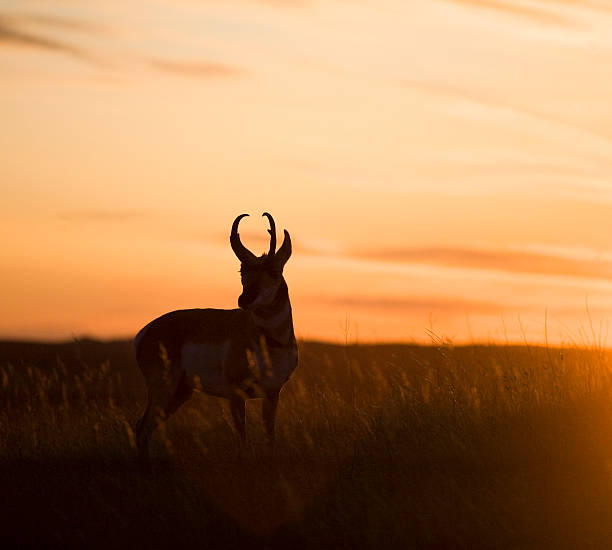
(278, 370)
(205, 361)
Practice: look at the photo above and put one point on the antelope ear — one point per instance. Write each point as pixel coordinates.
(284, 252)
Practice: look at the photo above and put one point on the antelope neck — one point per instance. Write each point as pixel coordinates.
(275, 319)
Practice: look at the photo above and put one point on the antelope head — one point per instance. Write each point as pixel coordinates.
(261, 276)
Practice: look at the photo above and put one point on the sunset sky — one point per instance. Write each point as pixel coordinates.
(440, 164)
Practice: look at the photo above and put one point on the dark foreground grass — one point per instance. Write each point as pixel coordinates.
(378, 446)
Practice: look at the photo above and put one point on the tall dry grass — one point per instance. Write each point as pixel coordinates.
(378, 446)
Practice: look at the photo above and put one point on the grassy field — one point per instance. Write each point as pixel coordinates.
(378, 446)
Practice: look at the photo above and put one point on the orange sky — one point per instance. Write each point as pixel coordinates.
(439, 163)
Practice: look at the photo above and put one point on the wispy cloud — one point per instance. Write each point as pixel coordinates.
(41, 31)
(102, 215)
(514, 261)
(201, 69)
(54, 21)
(429, 304)
(501, 106)
(281, 3)
(532, 13)
(11, 34)
(25, 31)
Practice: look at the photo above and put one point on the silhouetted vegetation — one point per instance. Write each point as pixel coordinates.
(377, 446)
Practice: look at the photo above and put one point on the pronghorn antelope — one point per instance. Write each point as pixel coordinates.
(237, 354)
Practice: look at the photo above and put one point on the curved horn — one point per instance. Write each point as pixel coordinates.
(272, 232)
(242, 253)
